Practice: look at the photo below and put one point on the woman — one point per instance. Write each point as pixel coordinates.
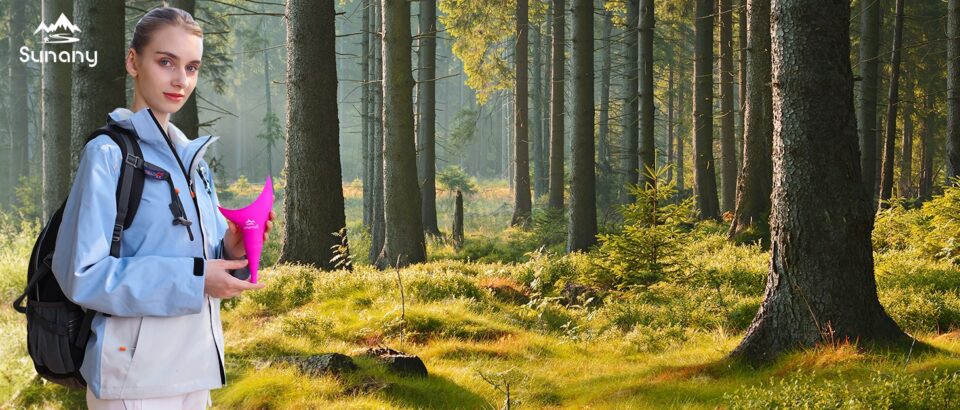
(158, 341)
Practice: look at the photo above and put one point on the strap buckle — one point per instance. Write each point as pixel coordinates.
(134, 160)
(117, 229)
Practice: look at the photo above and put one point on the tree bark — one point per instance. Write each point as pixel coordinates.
(905, 185)
(705, 187)
(606, 177)
(893, 104)
(542, 161)
(925, 191)
(953, 92)
(583, 206)
(536, 110)
(365, 118)
(631, 103)
(521, 151)
(457, 230)
(555, 188)
(378, 228)
(403, 240)
(821, 287)
(55, 106)
(681, 112)
(427, 111)
(755, 180)
(187, 119)
(869, 89)
(17, 97)
(648, 149)
(314, 195)
(728, 149)
(670, 125)
(97, 91)
(742, 83)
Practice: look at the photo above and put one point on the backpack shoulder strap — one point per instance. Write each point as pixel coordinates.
(130, 186)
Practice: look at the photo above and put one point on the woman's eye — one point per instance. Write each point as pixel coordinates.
(165, 62)
(193, 68)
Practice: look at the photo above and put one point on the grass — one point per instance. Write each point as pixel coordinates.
(504, 311)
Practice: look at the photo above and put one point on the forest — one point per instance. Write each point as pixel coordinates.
(742, 204)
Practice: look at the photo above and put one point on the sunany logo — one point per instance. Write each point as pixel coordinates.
(251, 224)
(52, 36)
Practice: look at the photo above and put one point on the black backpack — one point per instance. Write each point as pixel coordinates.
(57, 328)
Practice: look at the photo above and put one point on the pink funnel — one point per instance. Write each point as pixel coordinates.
(252, 221)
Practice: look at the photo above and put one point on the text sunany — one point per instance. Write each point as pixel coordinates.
(62, 57)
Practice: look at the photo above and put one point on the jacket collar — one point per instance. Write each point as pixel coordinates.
(147, 127)
(148, 130)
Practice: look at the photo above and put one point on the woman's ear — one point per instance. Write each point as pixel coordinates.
(131, 63)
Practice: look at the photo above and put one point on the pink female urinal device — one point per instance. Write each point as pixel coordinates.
(252, 221)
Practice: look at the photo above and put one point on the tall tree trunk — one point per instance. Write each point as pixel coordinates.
(606, 177)
(556, 108)
(536, 110)
(314, 197)
(55, 106)
(893, 103)
(821, 286)
(705, 187)
(582, 231)
(742, 83)
(648, 149)
(521, 152)
(728, 149)
(365, 118)
(543, 163)
(869, 90)
(187, 119)
(17, 95)
(953, 90)
(905, 185)
(681, 112)
(925, 191)
(427, 130)
(754, 183)
(97, 90)
(378, 227)
(631, 103)
(670, 124)
(403, 240)
(5, 117)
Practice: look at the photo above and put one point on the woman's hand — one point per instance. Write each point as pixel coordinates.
(233, 239)
(218, 282)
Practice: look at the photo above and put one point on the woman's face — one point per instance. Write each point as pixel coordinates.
(165, 73)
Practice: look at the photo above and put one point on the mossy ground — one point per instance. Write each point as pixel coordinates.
(501, 310)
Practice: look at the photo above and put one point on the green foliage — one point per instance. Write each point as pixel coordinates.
(453, 178)
(881, 391)
(27, 193)
(286, 291)
(648, 246)
(482, 30)
(932, 231)
(549, 226)
(465, 125)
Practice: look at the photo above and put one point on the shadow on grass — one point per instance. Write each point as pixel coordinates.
(44, 395)
(432, 392)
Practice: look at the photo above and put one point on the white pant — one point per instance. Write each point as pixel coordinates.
(198, 400)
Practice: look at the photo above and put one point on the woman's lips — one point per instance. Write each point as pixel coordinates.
(173, 97)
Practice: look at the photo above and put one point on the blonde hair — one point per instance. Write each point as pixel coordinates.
(158, 18)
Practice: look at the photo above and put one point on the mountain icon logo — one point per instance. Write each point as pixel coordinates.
(251, 222)
(63, 23)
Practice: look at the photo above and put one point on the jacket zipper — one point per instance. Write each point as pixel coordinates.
(193, 195)
(196, 206)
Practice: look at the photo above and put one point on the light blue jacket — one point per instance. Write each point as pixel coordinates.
(159, 334)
